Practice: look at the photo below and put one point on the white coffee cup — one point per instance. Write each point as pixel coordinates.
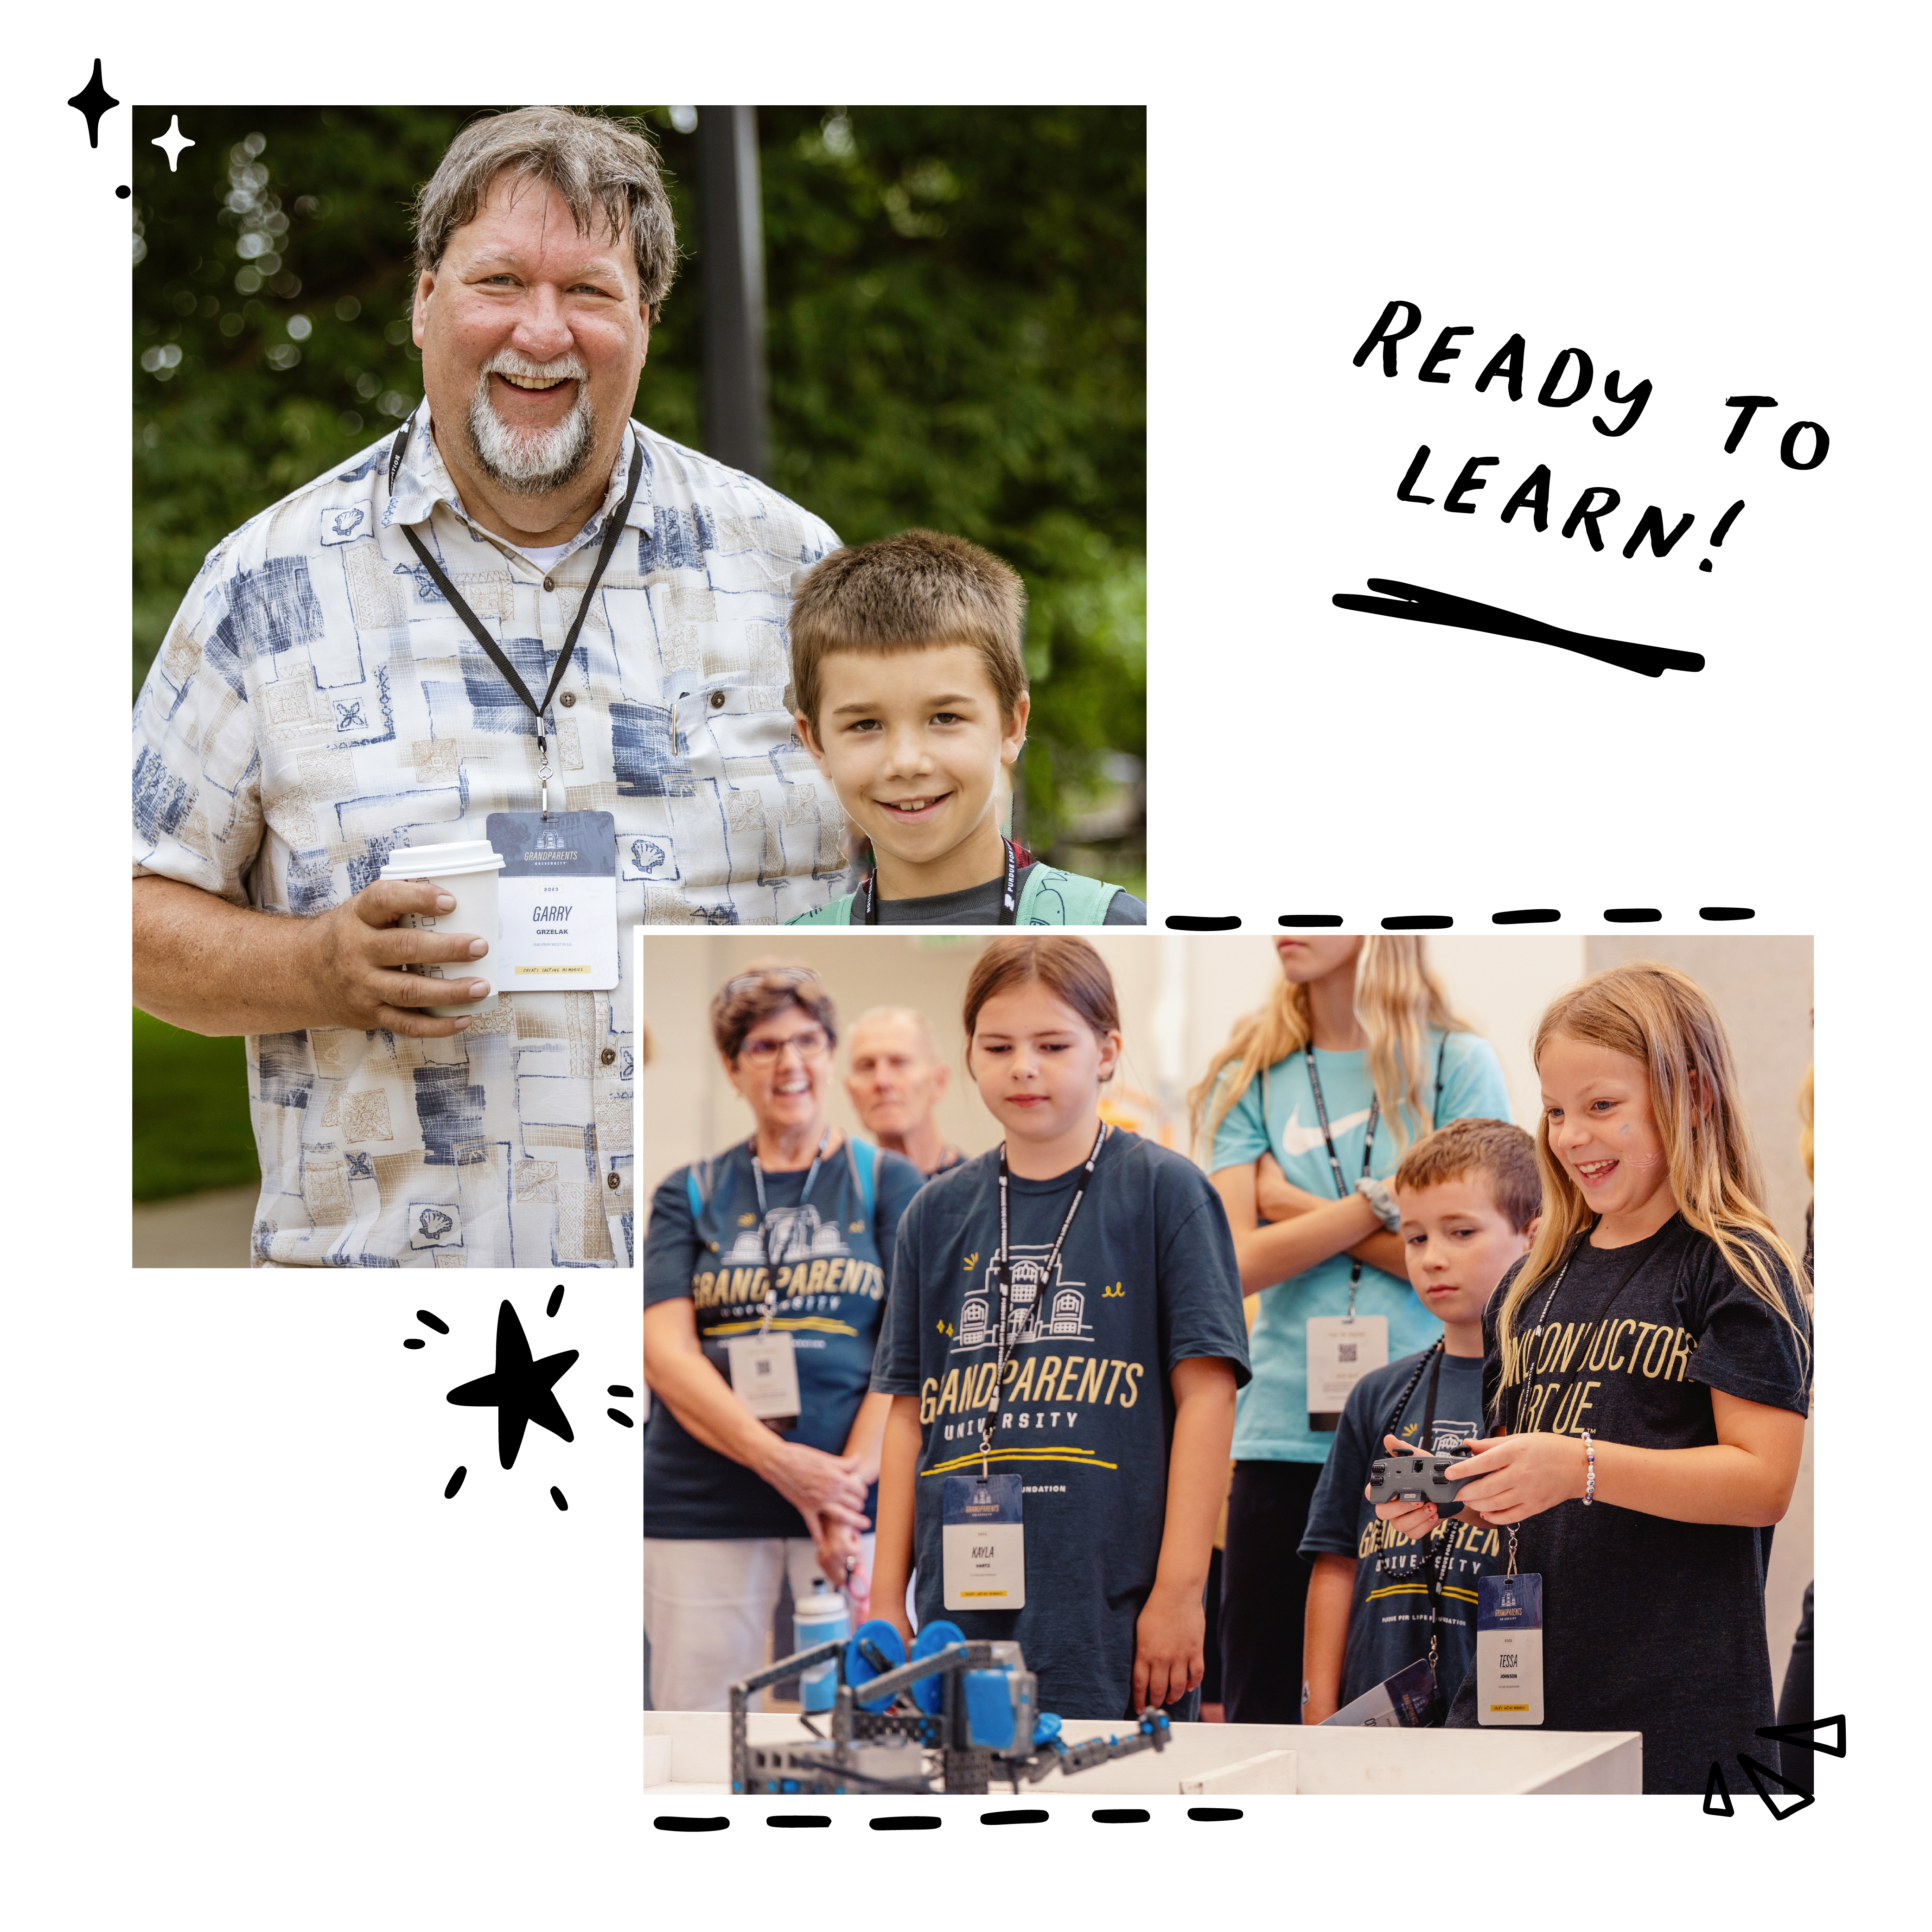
(466, 868)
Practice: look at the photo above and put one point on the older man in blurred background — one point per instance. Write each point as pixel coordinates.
(897, 1079)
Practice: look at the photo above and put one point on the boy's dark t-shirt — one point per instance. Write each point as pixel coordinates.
(1649, 1625)
(1389, 1617)
(1147, 1279)
(979, 905)
(834, 1262)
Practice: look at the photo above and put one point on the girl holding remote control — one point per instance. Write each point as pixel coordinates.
(1647, 1371)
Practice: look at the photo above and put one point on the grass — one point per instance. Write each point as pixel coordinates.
(191, 1128)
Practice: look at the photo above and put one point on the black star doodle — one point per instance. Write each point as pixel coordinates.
(520, 1389)
(93, 101)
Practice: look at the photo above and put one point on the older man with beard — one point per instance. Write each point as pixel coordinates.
(522, 618)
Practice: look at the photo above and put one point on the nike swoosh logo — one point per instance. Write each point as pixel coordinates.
(1296, 1139)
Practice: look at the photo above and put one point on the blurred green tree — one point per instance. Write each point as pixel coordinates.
(956, 334)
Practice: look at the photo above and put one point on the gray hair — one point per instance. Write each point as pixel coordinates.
(606, 170)
(920, 1024)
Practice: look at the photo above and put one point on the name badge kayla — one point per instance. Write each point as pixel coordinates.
(982, 1544)
(557, 902)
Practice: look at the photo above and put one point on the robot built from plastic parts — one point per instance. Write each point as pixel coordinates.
(973, 1707)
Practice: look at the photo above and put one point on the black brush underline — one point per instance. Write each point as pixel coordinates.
(1420, 605)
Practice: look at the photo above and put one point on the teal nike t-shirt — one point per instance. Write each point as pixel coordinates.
(1271, 1415)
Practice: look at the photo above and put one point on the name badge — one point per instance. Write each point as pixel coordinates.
(1406, 1699)
(764, 1377)
(982, 1544)
(1509, 1650)
(1340, 1353)
(557, 900)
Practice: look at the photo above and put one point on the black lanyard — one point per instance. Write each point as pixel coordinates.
(1005, 1346)
(612, 531)
(1008, 899)
(791, 1233)
(1435, 1562)
(1335, 1164)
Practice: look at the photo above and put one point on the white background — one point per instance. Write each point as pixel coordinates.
(260, 1674)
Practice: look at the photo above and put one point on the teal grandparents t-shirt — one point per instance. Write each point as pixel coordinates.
(1271, 1413)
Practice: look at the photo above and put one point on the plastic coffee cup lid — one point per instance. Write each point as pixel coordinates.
(442, 862)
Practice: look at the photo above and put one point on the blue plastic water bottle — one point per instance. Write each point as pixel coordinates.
(821, 1618)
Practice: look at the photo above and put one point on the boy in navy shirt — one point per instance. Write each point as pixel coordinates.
(1469, 1196)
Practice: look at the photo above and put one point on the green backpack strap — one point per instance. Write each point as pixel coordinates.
(838, 912)
(1053, 898)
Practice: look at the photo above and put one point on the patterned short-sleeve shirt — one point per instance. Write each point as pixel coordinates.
(318, 704)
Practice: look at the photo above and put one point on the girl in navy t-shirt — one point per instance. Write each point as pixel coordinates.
(1100, 1365)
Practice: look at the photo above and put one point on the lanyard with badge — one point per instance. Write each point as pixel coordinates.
(557, 892)
(764, 1367)
(982, 1540)
(1009, 896)
(1412, 1695)
(1509, 1608)
(1341, 1351)
(1434, 1561)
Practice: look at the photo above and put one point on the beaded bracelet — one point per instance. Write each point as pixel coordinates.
(1590, 1474)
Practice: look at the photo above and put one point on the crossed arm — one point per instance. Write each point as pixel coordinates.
(1302, 1231)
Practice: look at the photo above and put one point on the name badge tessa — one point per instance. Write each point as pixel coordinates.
(1509, 1650)
(983, 1543)
(556, 902)
(764, 1377)
(1340, 1353)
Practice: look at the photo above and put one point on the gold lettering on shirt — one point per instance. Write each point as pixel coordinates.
(1659, 1349)
(1611, 1359)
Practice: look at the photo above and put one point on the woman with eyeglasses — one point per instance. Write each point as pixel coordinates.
(765, 1270)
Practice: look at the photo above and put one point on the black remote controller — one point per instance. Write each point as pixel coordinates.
(1417, 1479)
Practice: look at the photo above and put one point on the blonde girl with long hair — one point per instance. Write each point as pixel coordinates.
(1303, 1116)
(1647, 1370)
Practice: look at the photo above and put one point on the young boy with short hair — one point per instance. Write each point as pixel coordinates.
(1469, 1196)
(910, 691)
